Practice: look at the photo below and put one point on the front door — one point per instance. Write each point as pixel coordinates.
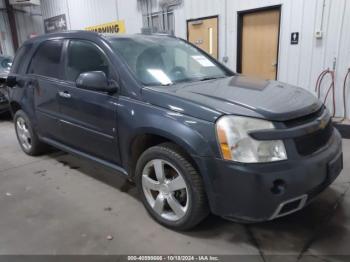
(204, 34)
(258, 39)
(88, 118)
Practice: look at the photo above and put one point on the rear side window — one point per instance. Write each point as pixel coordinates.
(47, 59)
(84, 56)
(19, 62)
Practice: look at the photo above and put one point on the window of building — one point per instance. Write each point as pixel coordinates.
(160, 22)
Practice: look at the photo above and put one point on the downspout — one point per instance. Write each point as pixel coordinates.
(335, 67)
(12, 21)
(117, 8)
(167, 11)
(225, 58)
(149, 13)
(322, 16)
(68, 14)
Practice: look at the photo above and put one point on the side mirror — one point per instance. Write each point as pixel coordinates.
(11, 81)
(95, 81)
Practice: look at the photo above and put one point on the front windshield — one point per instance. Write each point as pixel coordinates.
(165, 60)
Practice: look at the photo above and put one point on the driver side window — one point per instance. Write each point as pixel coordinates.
(83, 57)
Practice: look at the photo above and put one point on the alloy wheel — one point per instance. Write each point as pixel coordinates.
(165, 189)
(23, 132)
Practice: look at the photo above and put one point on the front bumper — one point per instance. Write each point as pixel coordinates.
(260, 192)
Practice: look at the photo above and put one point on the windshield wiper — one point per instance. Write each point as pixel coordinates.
(210, 78)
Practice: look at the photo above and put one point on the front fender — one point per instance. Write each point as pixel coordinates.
(136, 118)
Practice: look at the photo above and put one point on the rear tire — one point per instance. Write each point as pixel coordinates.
(26, 135)
(171, 188)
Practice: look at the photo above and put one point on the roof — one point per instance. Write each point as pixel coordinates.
(80, 33)
(90, 34)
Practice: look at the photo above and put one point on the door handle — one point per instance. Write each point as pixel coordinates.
(64, 94)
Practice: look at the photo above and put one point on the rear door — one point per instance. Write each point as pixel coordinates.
(43, 79)
(88, 118)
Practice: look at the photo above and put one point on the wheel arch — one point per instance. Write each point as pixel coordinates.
(14, 107)
(149, 137)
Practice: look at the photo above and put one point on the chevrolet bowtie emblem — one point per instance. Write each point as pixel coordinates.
(322, 123)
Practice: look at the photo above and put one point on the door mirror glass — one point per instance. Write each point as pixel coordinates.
(96, 81)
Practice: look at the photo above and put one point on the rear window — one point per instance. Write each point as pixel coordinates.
(47, 59)
(21, 55)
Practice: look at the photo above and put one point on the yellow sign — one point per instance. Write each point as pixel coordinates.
(112, 28)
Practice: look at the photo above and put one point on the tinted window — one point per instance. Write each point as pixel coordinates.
(19, 62)
(84, 57)
(47, 59)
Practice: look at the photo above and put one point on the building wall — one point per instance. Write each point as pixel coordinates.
(28, 22)
(5, 35)
(81, 13)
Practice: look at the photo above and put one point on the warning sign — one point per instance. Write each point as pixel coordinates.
(111, 28)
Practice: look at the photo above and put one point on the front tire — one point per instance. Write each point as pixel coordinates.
(26, 135)
(171, 188)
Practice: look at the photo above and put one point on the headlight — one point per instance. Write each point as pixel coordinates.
(236, 144)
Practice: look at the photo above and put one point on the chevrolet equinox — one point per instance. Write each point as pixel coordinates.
(193, 136)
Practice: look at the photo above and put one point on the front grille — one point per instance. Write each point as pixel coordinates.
(310, 143)
(304, 119)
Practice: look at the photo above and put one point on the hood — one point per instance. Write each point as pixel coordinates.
(237, 95)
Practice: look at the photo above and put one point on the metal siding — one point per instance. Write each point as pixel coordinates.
(81, 13)
(6, 43)
(52, 8)
(28, 22)
(129, 12)
(95, 12)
